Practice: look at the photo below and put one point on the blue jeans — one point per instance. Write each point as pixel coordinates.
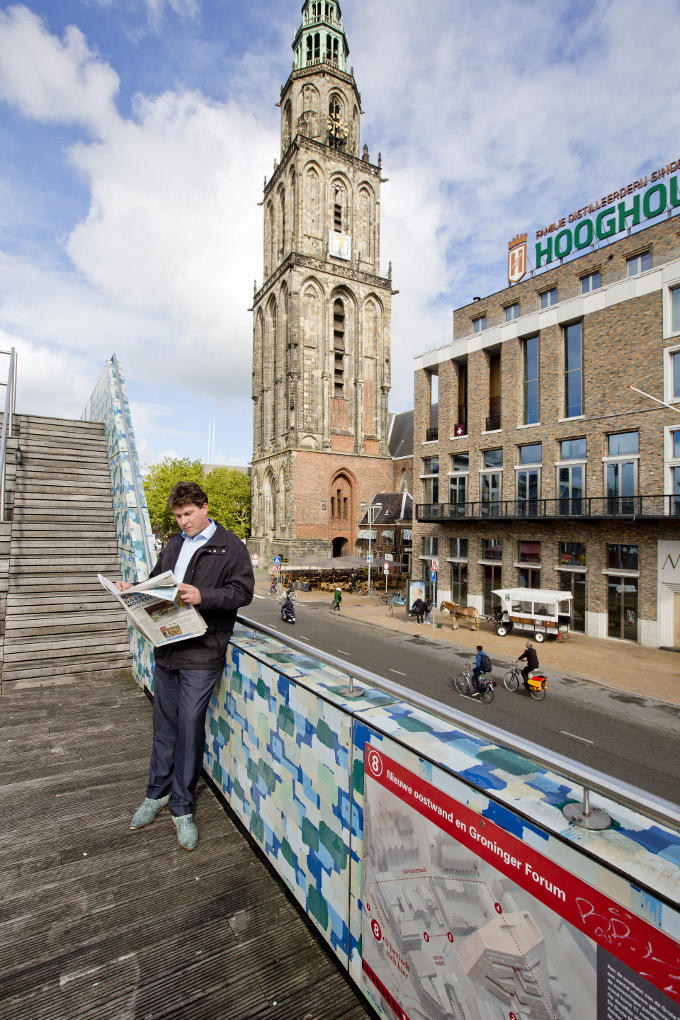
(181, 698)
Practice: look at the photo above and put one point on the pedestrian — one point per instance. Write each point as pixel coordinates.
(213, 568)
(530, 656)
(428, 611)
(482, 665)
(337, 599)
(418, 608)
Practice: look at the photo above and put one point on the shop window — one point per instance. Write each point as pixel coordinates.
(528, 552)
(622, 557)
(571, 554)
(492, 549)
(638, 263)
(458, 548)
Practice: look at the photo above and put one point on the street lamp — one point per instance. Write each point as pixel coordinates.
(377, 507)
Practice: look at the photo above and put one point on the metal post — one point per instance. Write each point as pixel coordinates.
(349, 692)
(370, 532)
(584, 816)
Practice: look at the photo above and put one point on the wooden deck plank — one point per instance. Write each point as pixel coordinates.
(100, 922)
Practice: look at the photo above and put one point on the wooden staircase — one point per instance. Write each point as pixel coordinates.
(59, 623)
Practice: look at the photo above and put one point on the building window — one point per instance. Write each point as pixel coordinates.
(529, 552)
(590, 282)
(461, 423)
(621, 470)
(430, 478)
(529, 577)
(512, 312)
(458, 548)
(571, 554)
(458, 478)
(638, 264)
(549, 297)
(573, 449)
(672, 486)
(430, 545)
(479, 324)
(622, 557)
(530, 346)
(339, 347)
(573, 375)
(492, 549)
(531, 454)
(430, 465)
(675, 309)
(675, 375)
(491, 482)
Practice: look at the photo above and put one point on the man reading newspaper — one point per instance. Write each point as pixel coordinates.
(215, 575)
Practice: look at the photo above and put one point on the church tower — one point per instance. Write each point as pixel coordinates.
(321, 331)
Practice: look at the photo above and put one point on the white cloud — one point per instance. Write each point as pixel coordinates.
(54, 80)
(48, 378)
(154, 9)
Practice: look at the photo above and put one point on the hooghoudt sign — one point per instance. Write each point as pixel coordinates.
(462, 918)
(626, 206)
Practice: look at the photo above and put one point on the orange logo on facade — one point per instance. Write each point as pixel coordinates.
(517, 258)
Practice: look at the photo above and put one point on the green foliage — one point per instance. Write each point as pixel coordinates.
(228, 494)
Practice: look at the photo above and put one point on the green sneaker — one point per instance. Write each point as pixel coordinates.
(145, 814)
(187, 833)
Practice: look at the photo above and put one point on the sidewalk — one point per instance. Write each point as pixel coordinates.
(620, 665)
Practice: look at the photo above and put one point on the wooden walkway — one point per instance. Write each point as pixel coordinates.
(100, 922)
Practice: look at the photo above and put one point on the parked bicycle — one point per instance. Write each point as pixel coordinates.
(537, 685)
(464, 685)
(396, 599)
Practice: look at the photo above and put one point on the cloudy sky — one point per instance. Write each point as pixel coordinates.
(135, 136)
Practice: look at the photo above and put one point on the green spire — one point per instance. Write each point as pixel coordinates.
(321, 37)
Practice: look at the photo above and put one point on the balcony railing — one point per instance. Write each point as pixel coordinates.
(431, 435)
(589, 507)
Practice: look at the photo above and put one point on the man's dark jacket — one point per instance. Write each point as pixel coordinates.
(222, 572)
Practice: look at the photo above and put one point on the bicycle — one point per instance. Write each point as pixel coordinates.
(463, 685)
(537, 685)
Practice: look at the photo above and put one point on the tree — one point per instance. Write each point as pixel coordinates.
(228, 494)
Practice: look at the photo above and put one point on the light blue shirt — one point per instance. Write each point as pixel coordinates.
(189, 547)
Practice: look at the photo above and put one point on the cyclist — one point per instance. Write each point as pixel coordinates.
(531, 658)
(482, 665)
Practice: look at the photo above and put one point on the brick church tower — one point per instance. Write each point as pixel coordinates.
(321, 336)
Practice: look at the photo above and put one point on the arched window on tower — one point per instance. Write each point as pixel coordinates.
(329, 48)
(317, 46)
(335, 52)
(339, 215)
(282, 208)
(310, 55)
(338, 348)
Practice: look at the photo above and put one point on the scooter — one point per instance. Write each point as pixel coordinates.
(288, 611)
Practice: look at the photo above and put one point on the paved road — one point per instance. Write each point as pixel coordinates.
(632, 738)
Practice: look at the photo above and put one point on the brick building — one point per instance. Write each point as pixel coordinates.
(321, 338)
(536, 466)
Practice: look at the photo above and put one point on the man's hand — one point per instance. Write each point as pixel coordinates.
(123, 585)
(190, 595)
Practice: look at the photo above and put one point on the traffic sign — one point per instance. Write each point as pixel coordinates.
(433, 575)
(369, 558)
(434, 566)
(276, 568)
(277, 561)
(386, 568)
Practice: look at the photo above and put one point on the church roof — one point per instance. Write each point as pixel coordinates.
(400, 434)
(396, 507)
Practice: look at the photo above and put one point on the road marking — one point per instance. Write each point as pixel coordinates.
(576, 737)
(301, 637)
(259, 596)
(342, 651)
(398, 672)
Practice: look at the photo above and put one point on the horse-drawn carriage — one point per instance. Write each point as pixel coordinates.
(544, 612)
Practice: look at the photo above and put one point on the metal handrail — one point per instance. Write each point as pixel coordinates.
(7, 422)
(591, 780)
(148, 556)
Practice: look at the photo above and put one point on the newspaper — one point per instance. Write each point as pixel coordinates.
(155, 608)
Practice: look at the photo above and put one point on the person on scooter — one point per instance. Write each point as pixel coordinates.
(288, 609)
(531, 658)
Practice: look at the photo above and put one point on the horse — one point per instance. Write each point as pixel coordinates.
(460, 612)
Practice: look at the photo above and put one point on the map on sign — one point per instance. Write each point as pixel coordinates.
(462, 919)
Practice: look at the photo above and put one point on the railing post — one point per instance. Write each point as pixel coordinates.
(586, 817)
